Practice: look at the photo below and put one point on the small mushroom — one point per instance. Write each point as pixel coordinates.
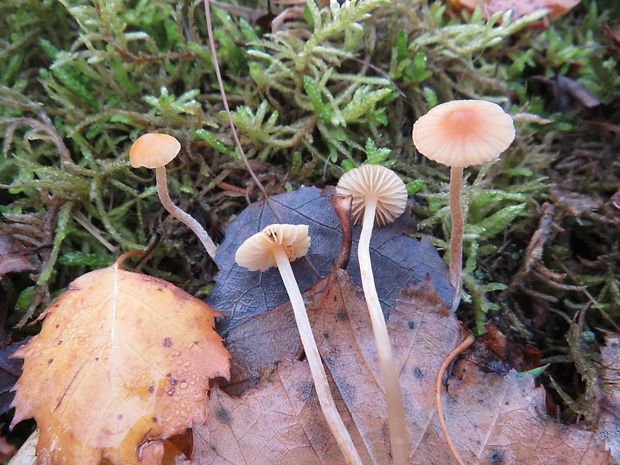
(156, 151)
(459, 134)
(379, 197)
(278, 245)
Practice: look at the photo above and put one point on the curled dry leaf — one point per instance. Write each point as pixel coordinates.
(10, 369)
(279, 421)
(123, 360)
(11, 260)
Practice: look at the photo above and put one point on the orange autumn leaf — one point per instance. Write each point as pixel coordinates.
(122, 362)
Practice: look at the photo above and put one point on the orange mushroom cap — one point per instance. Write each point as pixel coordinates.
(374, 181)
(153, 150)
(257, 252)
(464, 132)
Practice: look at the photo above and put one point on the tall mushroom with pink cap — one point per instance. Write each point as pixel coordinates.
(278, 245)
(459, 134)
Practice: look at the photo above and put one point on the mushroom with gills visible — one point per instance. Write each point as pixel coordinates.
(154, 150)
(458, 134)
(278, 245)
(379, 197)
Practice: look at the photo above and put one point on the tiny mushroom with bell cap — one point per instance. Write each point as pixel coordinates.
(379, 197)
(278, 245)
(153, 150)
(459, 134)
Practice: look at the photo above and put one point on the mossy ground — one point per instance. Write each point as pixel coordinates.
(329, 89)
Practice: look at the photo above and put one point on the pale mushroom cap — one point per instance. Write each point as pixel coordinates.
(256, 253)
(374, 181)
(153, 150)
(464, 132)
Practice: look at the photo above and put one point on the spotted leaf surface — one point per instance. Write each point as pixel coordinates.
(123, 361)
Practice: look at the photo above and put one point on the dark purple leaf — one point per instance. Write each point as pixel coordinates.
(398, 260)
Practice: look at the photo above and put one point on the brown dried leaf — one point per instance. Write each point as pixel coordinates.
(11, 260)
(280, 421)
(10, 369)
(123, 360)
(572, 202)
(495, 419)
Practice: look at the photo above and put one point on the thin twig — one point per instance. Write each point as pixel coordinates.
(80, 218)
(228, 115)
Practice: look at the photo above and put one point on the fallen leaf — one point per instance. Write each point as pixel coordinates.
(10, 369)
(608, 427)
(280, 421)
(520, 8)
(123, 360)
(573, 203)
(613, 37)
(571, 95)
(506, 352)
(12, 260)
(502, 419)
(397, 259)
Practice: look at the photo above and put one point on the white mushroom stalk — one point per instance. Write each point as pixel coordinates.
(379, 196)
(153, 150)
(278, 245)
(182, 216)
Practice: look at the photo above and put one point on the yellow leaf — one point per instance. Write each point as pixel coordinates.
(123, 359)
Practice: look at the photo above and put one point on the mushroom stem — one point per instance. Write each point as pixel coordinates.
(391, 382)
(190, 221)
(456, 237)
(328, 406)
